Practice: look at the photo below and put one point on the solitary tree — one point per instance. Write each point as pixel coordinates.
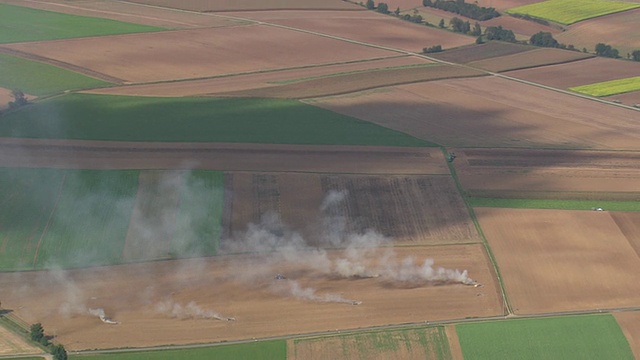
(371, 5)
(635, 55)
(441, 23)
(397, 12)
(37, 332)
(544, 39)
(383, 8)
(59, 352)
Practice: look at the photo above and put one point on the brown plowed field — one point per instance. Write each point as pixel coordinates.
(631, 98)
(578, 73)
(349, 83)
(127, 12)
(5, 98)
(228, 157)
(530, 59)
(185, 54)
(408, 209)
(255, 80)
(476, 52)
(619, 30)
(231, 5)
(629, 322)
(549, 173)
(135, 295)
(553, 261)
(492, 112)
(629, 224)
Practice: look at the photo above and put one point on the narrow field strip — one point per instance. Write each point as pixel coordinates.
(555, 204)
(606, 88)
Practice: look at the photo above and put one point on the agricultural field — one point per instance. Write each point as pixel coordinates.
(11, 343)
(477, 52)
(491, 112)
(530, 59)
(611, 87)
(234, 5)
(562, 260)
(122, 118)
(420, 343)
(568, 12)
(629, 322)
(569, 337)
(36, 25)
(550, 174)
(559, 204)
(40, 79)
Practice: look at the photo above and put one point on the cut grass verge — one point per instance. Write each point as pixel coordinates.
(567, 337)
(123, 118)
(40, 79)
(568, 12)
(554, 204)
(606, 88)
(21, 24)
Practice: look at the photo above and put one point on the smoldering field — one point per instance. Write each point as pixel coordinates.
(349, 280)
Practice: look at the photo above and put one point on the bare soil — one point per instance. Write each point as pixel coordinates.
(235, 5)
(629, 322)
(631, 98)
(629, 224)
(5, 98)
(553, 261)
(477, 52)
(492, 112)
(143, 297)
(454, 342)
(530, 59)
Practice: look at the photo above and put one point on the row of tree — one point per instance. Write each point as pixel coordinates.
(36, 332)
(545, 39)
(472, 11)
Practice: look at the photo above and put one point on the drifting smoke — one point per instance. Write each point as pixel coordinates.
(190, 311)
(294, 289)
(100, 313)
(407, 271)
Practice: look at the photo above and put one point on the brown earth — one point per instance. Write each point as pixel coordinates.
(256, 80)
(584, 72)
(454, 342)
(173, 55)
(407, 209)
(476, 52)
(271, 15)
(235, 5)
(492, 112)
(629, 224)
(12, 344)
(631, 98)
(143, 297)
(220, 156)
(128, 12)
(530, 59)
(549, 173)
(349, 83)
(553, 261)
(629, 322)
(5, 98)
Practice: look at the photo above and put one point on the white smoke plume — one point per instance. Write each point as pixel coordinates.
(407, 271)
(100, 313)
(189, 311)
(293, 288)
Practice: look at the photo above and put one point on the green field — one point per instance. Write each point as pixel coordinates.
(40, 79)
(567, 337)
(264, 350)
(612, 87)
(123, 118)
(568, 12)
(554, 204)
(420, 343)
(20, 24)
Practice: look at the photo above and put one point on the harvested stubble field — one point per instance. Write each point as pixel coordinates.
(477, 52)
(408, 209)
(553, 261)
(629, 322)
(492, 112)
(261, 79)
(349, 83)
(13, 344)
(164, 56)
(588, 71)
(530, 59)
(549, 173)
(151, 301)
(235, 5)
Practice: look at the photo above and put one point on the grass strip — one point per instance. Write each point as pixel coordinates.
(554, 204)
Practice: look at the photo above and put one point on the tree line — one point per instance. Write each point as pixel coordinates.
(36, 333)
(471, 11)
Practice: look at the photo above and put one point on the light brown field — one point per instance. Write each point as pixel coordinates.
(5, 98)
(256, 80)
(584, 72)
(619, 30)
(407, 209)
(185, 54)
(629, 322)
(12, 344)
(219, 156)
(554, 261)
(629, 224)
(241, 287)
(492, 112)
(234, 5)
(454, 342)
(549, 173)
(530, 59)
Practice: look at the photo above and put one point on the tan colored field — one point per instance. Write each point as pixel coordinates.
(578, 73)
(349, 83)
(256, 80)
(629, 224)
(492, 112)
(5, 98)
(231, 5)
(408, 209)
(454, 342)
(151, 301)
(220, 156)
(629, 322)
(618, 30)
(273, 15)
(476, 52)
(530, 59)
(12, 344)
(549, 173)
(553, 261)
(186, 54)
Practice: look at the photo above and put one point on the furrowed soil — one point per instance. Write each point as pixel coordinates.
(629, 322)
(549, 173)
(629, 224)
(234, 5)
(530, 59)
(492, 112)
(477, 52)
(151, 301)
(553, 261)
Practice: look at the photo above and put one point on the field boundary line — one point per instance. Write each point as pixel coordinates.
(46, 227)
